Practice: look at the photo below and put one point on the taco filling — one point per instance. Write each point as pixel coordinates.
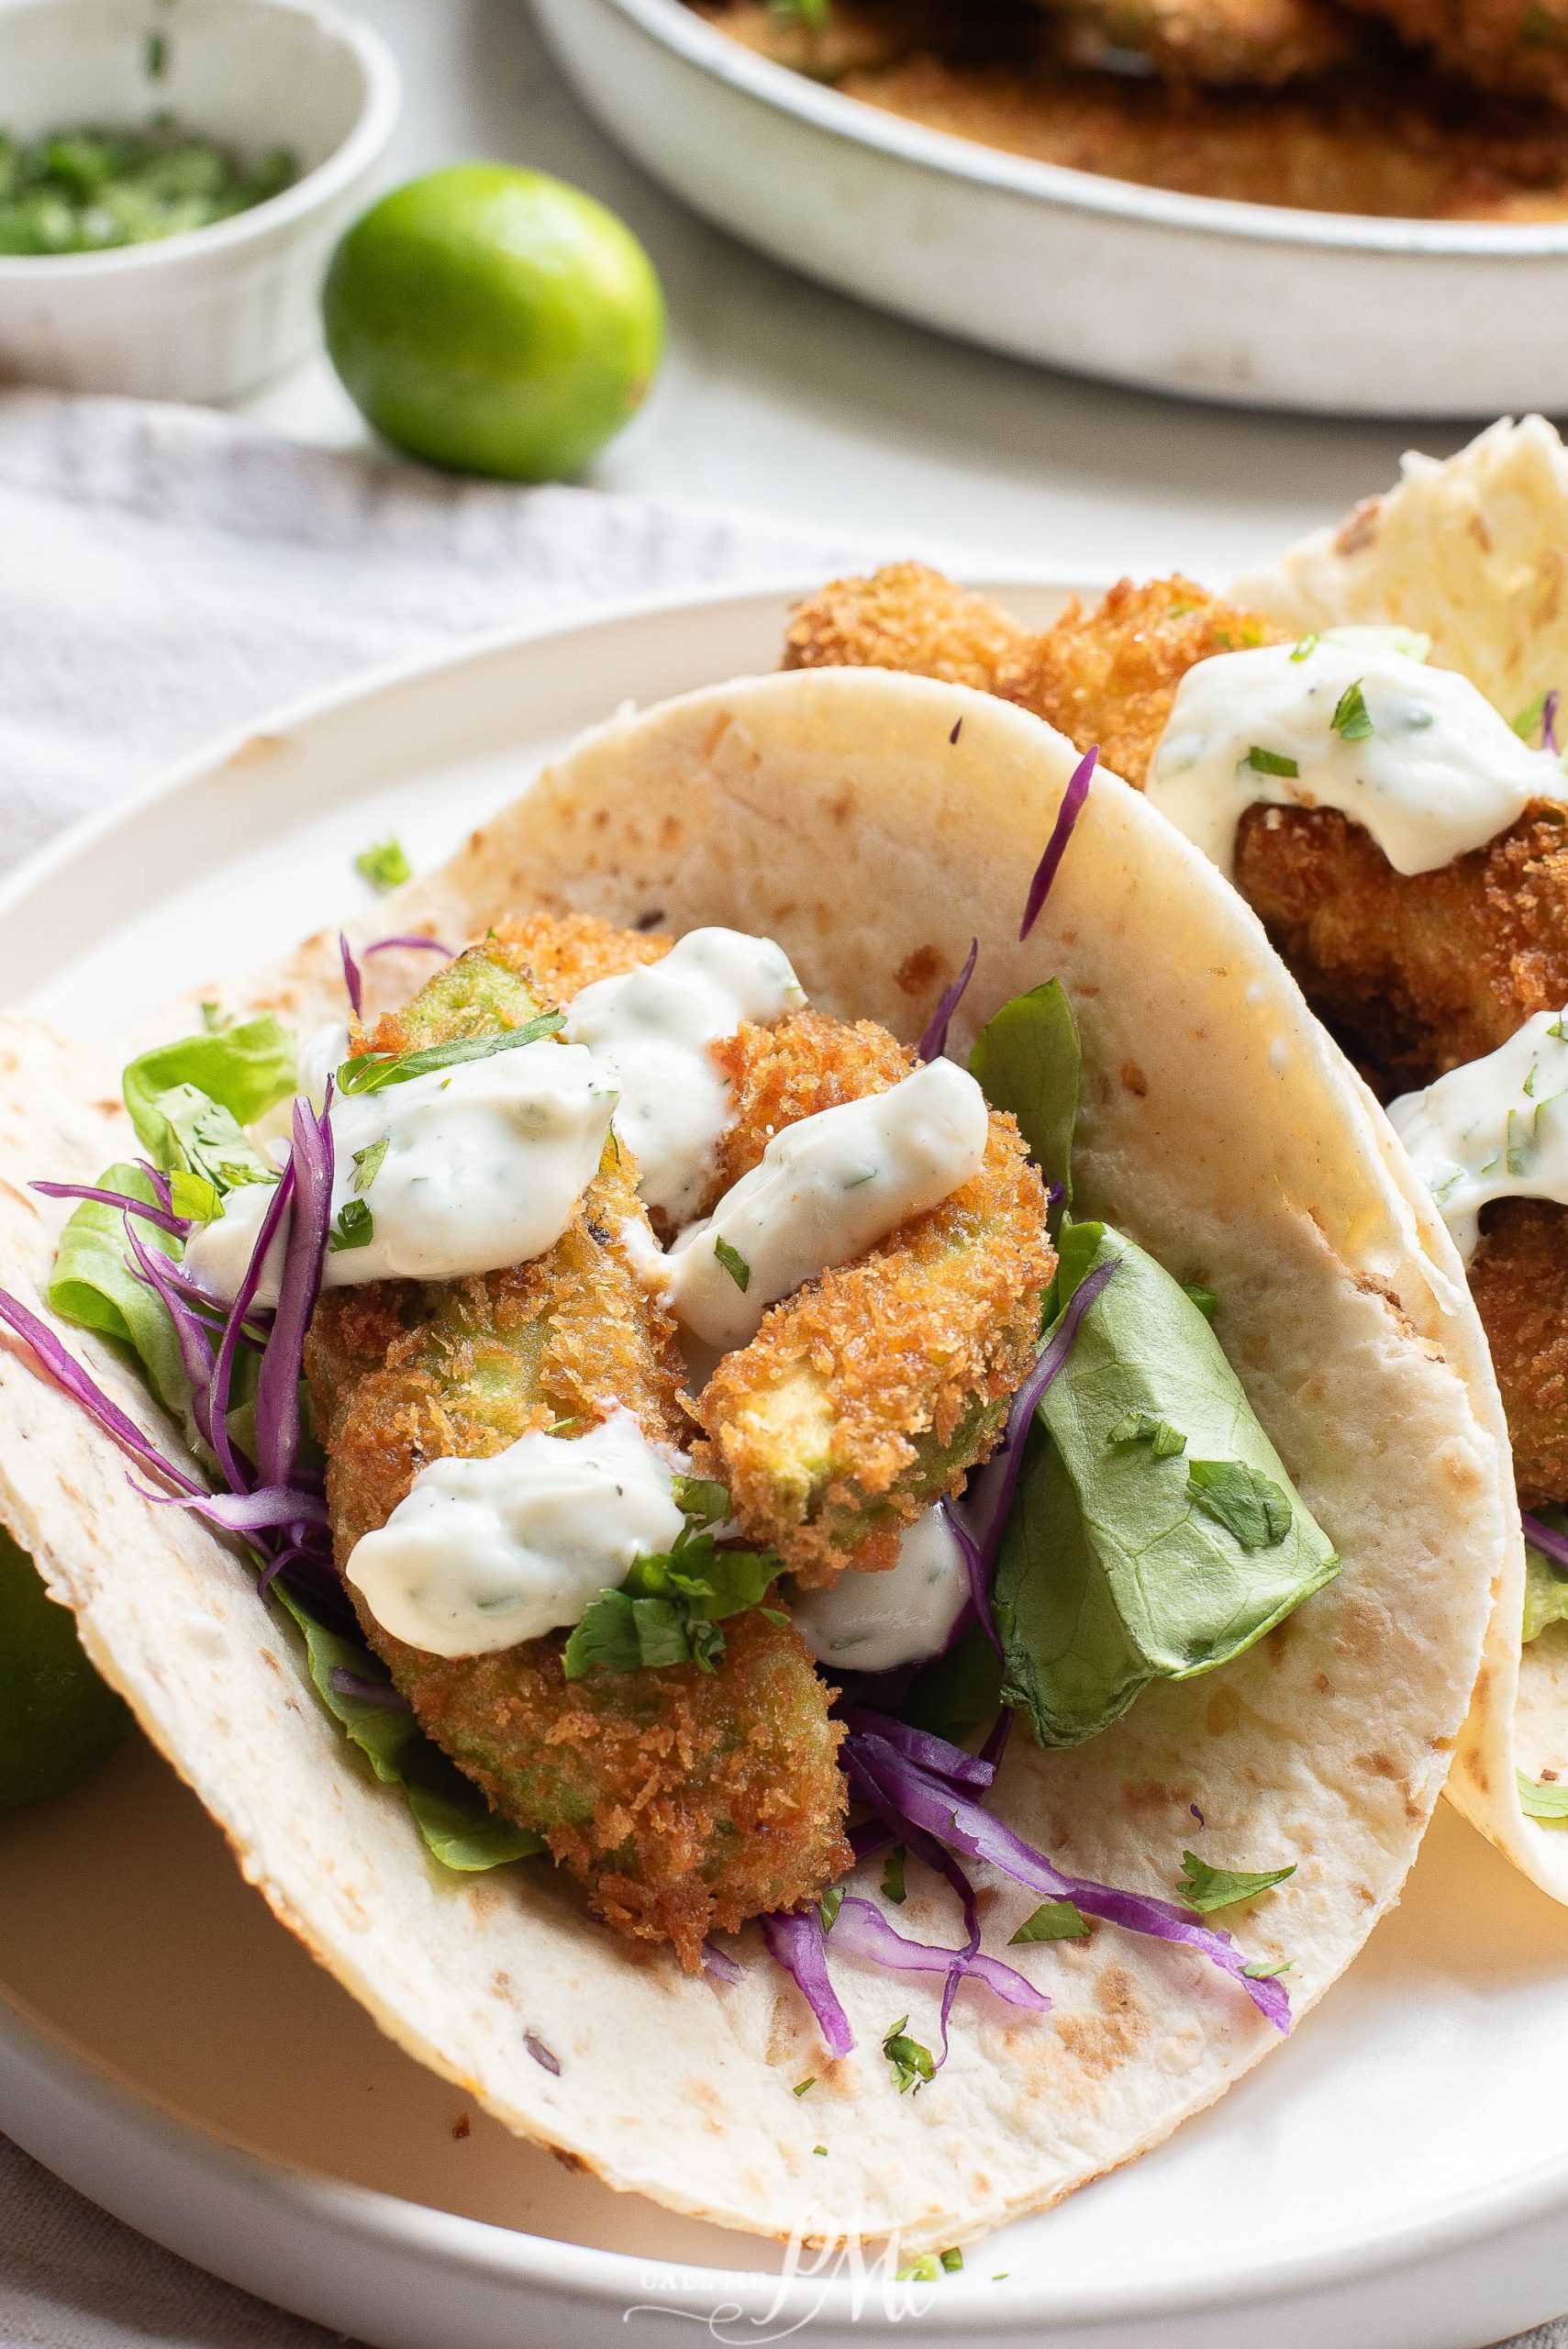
(674, 1416)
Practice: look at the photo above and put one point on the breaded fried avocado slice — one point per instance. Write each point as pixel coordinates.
(682, 1799)
(875, 1389)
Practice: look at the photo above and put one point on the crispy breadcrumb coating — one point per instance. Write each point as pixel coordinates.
(563, 953)
(1415, 972)
(908, 617)
(1518, 1277)
(874, 1389)
(680, 1799)
(809, 1063)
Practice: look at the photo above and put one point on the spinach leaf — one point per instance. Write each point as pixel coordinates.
(954, 1693)
(1124, 1560)
(1027, 1058)
(1546, 1585)
(450, 1813)
(93, 1284)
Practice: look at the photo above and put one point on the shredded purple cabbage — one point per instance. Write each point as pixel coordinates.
(860, 1928)
(411, 939)
(68, 1373)
(796, 1941)
(979, 1608)
(1547, 1539)
(278, 1431)
(351, 978)
(1067, 814)
(993, 1485)
(937, 1810)
(934, 1042)
(178, 1226)
(720, 1963)
(937, 1754)
(541, 2054)
(368, 1692)
(1549, 721)
(259, 1512)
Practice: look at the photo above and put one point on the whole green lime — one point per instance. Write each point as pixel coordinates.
(58, 1720)
(495, 320)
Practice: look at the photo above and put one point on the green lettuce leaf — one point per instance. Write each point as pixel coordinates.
(1126, 1561)
(450, 1813)
(1546, 1587)
(1027, 1058)
(190, 1100)
(93, 1284)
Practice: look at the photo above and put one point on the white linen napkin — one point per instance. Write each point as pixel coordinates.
(165, 574)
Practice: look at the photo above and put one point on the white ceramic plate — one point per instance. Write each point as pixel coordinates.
(1396, 2175)
(1240, 302)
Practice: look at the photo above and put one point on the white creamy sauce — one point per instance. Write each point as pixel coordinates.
(321, 1056)
(827, 1189)
(874, 1622)
(654, 1027)
(484, 1166)
(1496, 1129)
(484, 1553)
(1439, 772)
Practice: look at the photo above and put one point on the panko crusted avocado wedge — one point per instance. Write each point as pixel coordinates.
(822, 1522)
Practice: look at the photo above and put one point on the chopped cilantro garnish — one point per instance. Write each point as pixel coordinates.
(1204, 1299)
(734, 1264)
(1263, 761)
(827, 1907)
(371, 1072)
(912, 2065)
(1351, 720)
(801, 2085)
(1251, 1506)
(1145, 1427)
(924, 2268)
(215, 1019)
(1558, 1030)
(367, 1163)
(1204, 1889)
(385, 863)
(355, 1227)
(818, 2149)
(952, 2260)
(1528, 722)
(1053, 1921)
(1261, 1972)
(893, 1887)
(1305, 646)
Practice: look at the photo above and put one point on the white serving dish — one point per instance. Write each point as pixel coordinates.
(217, 312)
(1237, 301)
(1394, 2177)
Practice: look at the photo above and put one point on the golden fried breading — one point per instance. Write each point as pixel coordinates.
(875, 1389)
(1519, 45)
(1110, 675)
(565, 953)
(810, 1061)
(680, 1798)
(907, 617)
(1415, 972)
(1518, 1277)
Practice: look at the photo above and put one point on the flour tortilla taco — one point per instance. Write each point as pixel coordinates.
(875, 1495)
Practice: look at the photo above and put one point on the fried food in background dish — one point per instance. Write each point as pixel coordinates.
(910, 617)
(1518, 1277)
(1220, 43)
(680, 1799)
(1517, 45)
(1375, 132)
(874, 1389)
(1415, 972)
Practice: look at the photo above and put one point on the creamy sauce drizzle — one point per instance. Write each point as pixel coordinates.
(653, 1027)
(1439, 773)
(483, 1554)
(827, 1189)
(874, 1622)
(484, 1167)
(1496, 1129)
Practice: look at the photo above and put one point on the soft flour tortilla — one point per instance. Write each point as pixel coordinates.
(836, 811)
(1475, 553)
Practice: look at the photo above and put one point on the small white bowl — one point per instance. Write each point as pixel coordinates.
(213, 313)
(1258, 305)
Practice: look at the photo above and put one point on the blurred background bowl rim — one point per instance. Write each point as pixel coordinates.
(676, 27)
(380, 97)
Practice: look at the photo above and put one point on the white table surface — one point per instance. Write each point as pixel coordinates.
(778, 395)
